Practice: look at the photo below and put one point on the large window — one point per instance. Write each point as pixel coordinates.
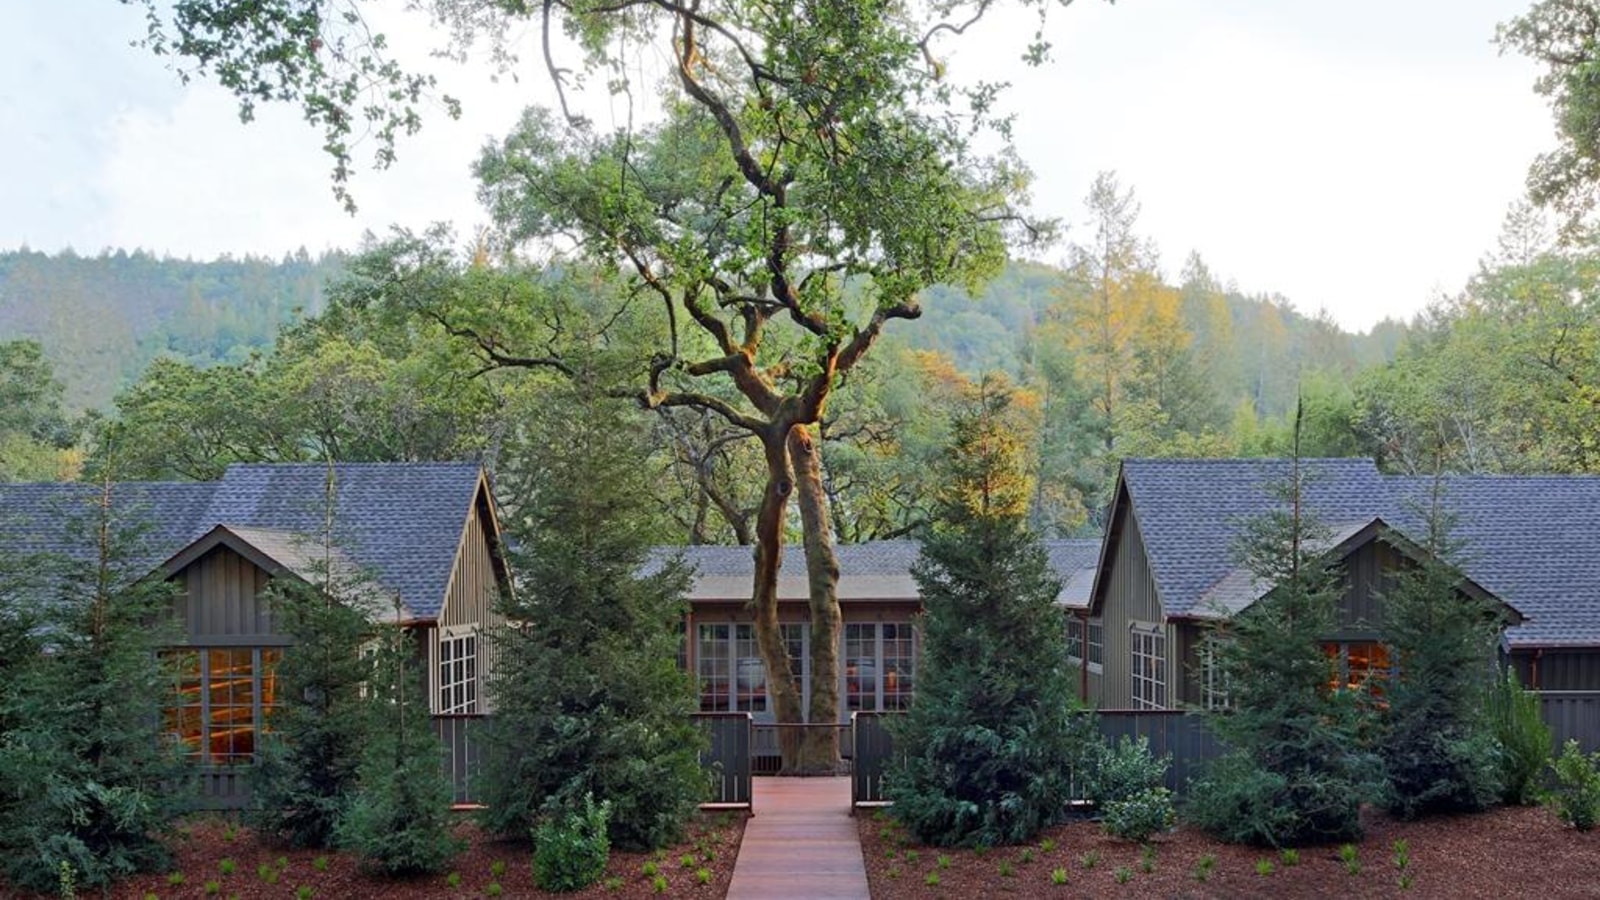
(222, 699)
(712, 653)
(899, 665)
(1214, 683)
(1359, 665)
(861, 666)
(1149, 670)
(880, 666)
(1074, 634)
(458, 673)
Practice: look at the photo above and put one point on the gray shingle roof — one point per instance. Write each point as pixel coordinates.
(154, 518)
(874, 570)
(400, 521)
(1190, 511)
(1532, 541)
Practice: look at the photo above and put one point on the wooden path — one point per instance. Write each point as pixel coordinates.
(801, 843)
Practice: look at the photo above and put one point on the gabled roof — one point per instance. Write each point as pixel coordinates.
(874, 570)
(1190, 512)
(1531, 540)
(399, 522)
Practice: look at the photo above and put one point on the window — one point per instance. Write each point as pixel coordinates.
(1097, 644)
(750, 677)
(1214, 683)
(713, 649)
(458, 673)
(1074, 639)
(861, 666)
(880, 666)
(1149, 670)
(222, 699)
(899, 665)
(1358, 665)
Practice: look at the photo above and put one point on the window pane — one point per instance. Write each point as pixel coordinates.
(750, 694)
(899, 665)
(861, 666)
(711, 665)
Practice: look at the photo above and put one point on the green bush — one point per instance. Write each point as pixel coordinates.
(1140, 816)
(1243, 803)
(1524, 739)
(571, 848)
(1577, 795)
(1123, 770)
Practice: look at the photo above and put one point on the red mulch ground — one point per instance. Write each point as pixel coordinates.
(204, 843)
(1511, 852)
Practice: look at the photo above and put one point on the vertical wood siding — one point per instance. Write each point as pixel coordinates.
(220, 602)
(1368, 573)
(1130, 596)
(470, 602)
(1558, 670)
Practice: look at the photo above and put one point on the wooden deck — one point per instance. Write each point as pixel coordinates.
(801, 843)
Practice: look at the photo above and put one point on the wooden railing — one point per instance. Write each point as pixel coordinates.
(727, 760)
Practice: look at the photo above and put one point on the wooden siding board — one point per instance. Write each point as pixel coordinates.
(220, 601)
(1130, 597)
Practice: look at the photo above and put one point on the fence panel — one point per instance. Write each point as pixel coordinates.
(1183, 736)
(463, 753)
(1572, 715)
(874, 750)
(728, 758)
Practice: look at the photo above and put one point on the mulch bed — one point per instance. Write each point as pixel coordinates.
(204, 843)
(1522, 852)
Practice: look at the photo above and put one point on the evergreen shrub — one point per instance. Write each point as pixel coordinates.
(571, 848)
(1577, 795)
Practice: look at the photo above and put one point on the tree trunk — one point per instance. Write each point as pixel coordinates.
(781, 688)
(821, 750)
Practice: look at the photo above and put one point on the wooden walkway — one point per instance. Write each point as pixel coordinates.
(801, 843)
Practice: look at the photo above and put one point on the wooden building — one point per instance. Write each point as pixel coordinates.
(1169, 570)
(418, 544)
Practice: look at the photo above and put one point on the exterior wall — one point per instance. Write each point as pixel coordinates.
(220, 603)
(1558, 670)
(1367, 575)
(469, 605)
(1129, 597)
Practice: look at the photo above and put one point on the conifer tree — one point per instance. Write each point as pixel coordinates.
(398, 822)
(994, 735)
(90, 784)
(1295, 774)
(1438, 745)
(305, 772)
(587, 694)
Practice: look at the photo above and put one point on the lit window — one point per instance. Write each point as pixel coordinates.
(1149, 670)
(751, 671)
(458, 673)
(223, 699)
(899, 665)
(711, 666)
(1214, 683)
(861, 666)
(1358, 665)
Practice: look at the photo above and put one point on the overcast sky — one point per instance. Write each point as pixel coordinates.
(1354, 156)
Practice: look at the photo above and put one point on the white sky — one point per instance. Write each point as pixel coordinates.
(1356, 156)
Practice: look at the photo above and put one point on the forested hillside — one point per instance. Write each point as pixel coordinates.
(102, 319)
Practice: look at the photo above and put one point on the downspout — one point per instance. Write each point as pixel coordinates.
(1533, 669)
(1083, 657)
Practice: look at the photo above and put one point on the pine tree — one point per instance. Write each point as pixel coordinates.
(587, 694)
(1438, 745)
(399, 821)
(994, 735)
(1295, 774)
(89, 782)
(306, 765)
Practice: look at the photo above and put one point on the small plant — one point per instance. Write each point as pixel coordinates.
(571, 849)
(66, 881)
(1147, 859)
(1089, 860)
(894, 872)
(1577, 795)
(304, 892)
(175, 879)
(891, 853)
(1203, 869)
(151, 897)
(1058, 876)
(212, 888)
(942, 862)
(980, 850)
(1290, 857)
(708, 856)
(886, 833)
(320, 864)
(880, 816)
(1136, 818)
(1402, 854)
(267, 873)
(932, 880)
(1264, 867)
(1026, 856)
(1348, 856)
(1405, 881)
(498, 869)
(688, 860)
(1123, 875)
(614, 883)
(1007, 870)
(912, 856)
(230, 832)
(649, 869)
(702, 875)
(492, 889)
(1047, 846)
(227, 867)
(283, 863)
(453, 880)
(659, 884)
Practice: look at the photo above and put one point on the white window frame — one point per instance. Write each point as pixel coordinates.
(458, 686)
(1147, 665)
(1094, 641)
(1215, 686)
(1074, 638)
